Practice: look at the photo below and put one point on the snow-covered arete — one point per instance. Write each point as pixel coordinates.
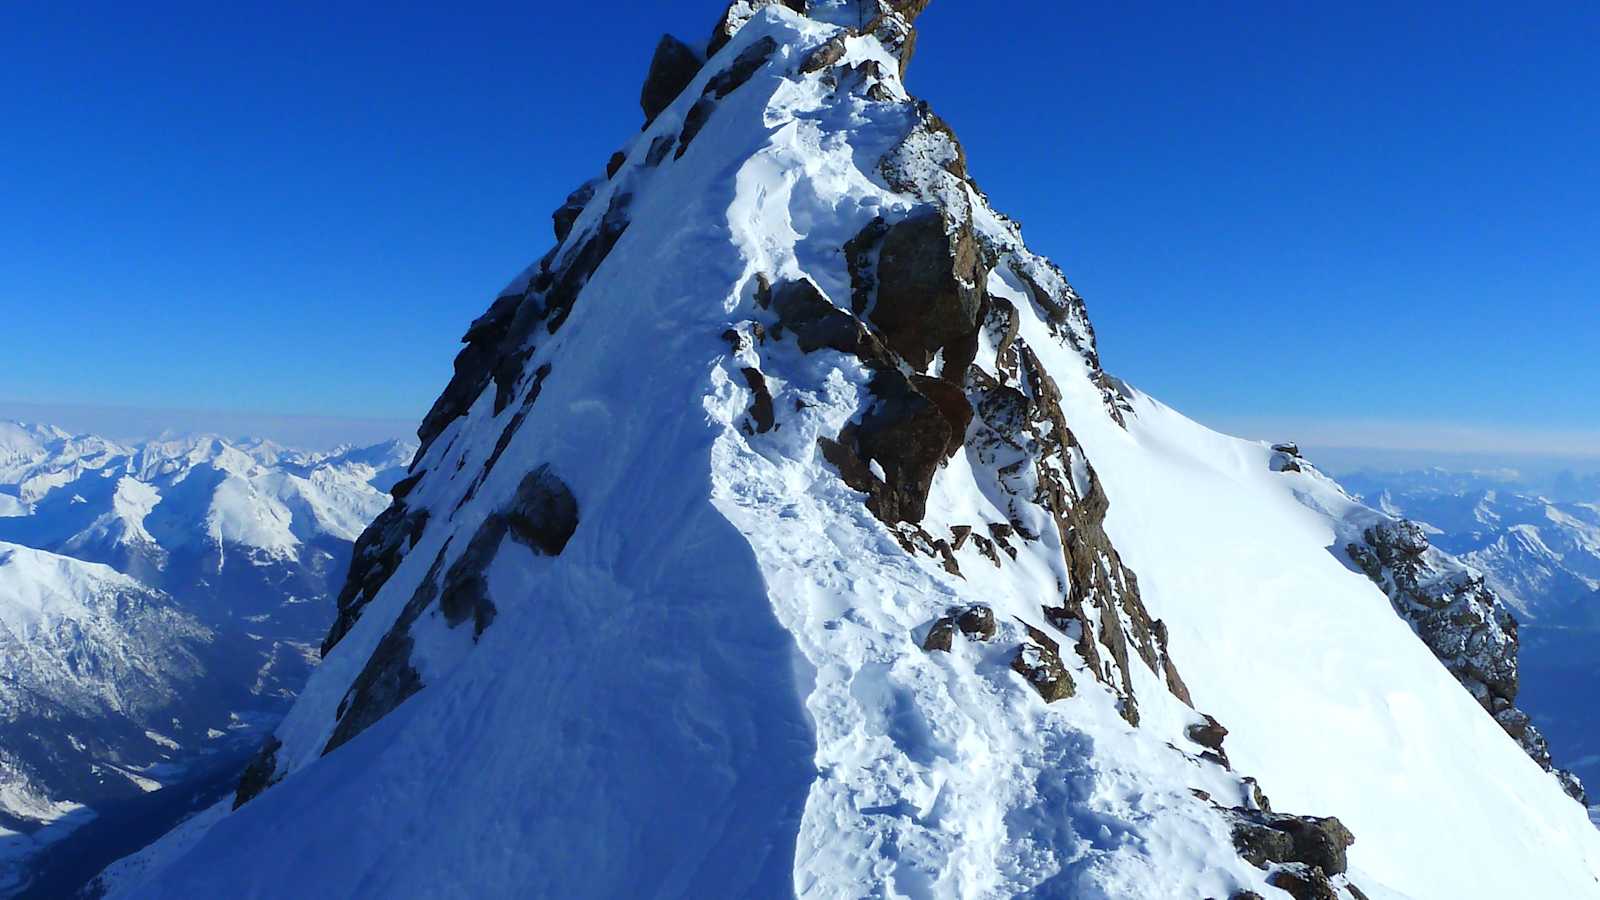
(780, 535)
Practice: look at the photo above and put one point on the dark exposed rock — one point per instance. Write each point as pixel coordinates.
(952, 404)
(258, 776)
(615, 164)
(1304, 883)
(465, 593)
(505, 331)
(1208, 733)
(377, 554)
(861, 255)
(1321, 843)
(388, 679)
(674, 65)
(761, 410)
(960, 533)
(1039, 661)
(1264, 838)
(571, 209)
(1020, 429)
(930, 287)
(698, 116)
(976, 622)
(907, 435)
(1260, 845)
(659, 148)
(529, 398)
(941, 636)
(402, 489)
(744, 67)
(824, 56)
(817, 323)
(1246, 895)
(542, 515)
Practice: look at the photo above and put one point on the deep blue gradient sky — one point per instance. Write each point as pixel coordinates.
(1345, 219)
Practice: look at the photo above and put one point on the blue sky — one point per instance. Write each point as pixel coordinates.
(1350, 223)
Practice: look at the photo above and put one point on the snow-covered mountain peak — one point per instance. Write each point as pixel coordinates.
(779, 534)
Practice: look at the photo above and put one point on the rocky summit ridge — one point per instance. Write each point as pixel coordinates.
(777, 534)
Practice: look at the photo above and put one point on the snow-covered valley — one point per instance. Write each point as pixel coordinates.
(160, 605)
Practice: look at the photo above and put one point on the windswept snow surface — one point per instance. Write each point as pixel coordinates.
(716, 689)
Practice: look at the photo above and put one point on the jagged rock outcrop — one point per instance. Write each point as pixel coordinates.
(1459, 617)
(975, 622)
(671, 69)
(1306, 855)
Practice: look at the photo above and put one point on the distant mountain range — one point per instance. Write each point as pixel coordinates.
(1541, 555)
(780, 534)
(160, 603)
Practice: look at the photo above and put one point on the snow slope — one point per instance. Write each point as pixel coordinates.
(682, 621)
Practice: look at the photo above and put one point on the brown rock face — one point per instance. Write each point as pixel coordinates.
(930, 287)
(671, 69)
(1304, 883)
(1208, 734)
(976, 622)
(816, 323)
(907, 435)
(1264, 838)
(1039, 661)
(941, 637)
(761, 409)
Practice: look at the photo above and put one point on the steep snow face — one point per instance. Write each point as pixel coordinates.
(1249, 567)
(760, 546)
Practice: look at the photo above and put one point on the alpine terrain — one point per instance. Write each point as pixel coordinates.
(1539, 547)
(160, 605)
(780, 534)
